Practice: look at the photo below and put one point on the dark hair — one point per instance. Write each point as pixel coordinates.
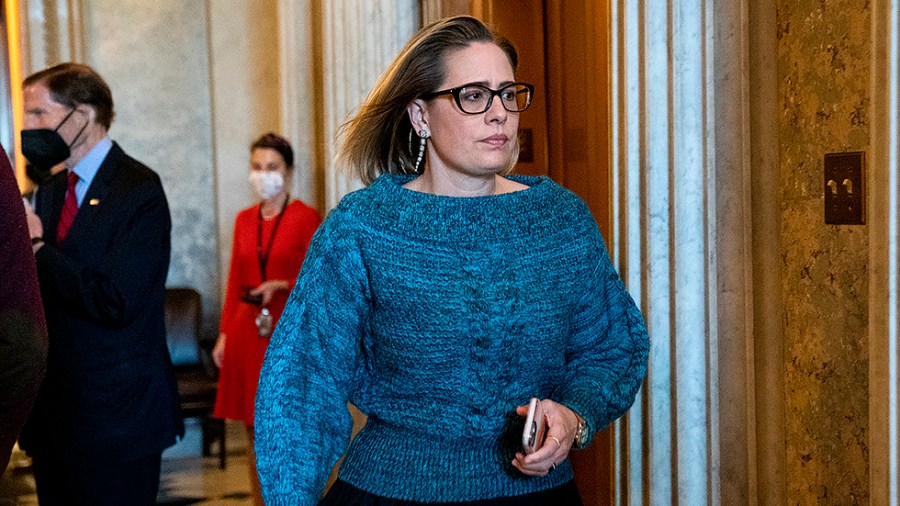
(278, 143)
(71, 84)
(379, 139)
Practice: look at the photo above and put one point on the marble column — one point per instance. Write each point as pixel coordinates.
(47, 32)
(663, 220)
(53, 32)
(359, 40)
(682, 226)
(10, 82)
(297, 24)
(765, 417)
(884, 256)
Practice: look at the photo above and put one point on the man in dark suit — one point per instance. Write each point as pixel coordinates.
(108, 405)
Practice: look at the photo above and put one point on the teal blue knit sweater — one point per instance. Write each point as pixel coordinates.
(437, 316)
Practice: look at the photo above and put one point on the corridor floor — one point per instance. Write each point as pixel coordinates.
(187, 477)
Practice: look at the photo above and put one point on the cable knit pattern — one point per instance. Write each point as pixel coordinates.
(437, 316)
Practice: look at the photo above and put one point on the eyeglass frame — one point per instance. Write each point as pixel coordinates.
(454, 92)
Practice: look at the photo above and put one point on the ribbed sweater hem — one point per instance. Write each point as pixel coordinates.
(399, 463)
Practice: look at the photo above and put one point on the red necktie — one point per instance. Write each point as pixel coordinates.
(70, 208)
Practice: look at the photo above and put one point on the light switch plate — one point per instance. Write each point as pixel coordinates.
(845, 188)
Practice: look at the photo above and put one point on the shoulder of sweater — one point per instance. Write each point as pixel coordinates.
(565, 203)
(353, 205)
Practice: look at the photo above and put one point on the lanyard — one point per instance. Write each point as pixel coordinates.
(264, 256)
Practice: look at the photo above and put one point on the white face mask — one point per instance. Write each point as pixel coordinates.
(266, 184)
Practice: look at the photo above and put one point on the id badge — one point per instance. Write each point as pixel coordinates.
(264, 322)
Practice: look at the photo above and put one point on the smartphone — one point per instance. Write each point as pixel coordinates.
(535, 427)
(256, 300)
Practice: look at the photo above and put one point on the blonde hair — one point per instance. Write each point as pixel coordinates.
(380, 138)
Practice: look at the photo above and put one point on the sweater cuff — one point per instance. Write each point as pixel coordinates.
(568, 399)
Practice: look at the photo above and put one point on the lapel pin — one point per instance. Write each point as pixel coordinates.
(95, 202)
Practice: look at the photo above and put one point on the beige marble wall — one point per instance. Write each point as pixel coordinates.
(153, 56)
(824, 74)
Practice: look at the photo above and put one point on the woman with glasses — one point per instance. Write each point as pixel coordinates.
(440, 299)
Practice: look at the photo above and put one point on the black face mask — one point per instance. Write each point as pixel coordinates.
(45, 148)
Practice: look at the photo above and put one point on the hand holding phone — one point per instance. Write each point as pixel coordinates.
(535, 427)
(256, 300)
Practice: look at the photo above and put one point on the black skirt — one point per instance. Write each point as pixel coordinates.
(343, 494)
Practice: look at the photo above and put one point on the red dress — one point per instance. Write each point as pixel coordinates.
(244, 349)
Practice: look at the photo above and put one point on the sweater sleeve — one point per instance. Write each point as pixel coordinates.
(608, 349)
(302, 422)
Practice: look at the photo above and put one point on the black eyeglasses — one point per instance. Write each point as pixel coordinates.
(476, 99)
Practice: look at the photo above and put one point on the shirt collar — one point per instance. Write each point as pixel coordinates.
(87, 167)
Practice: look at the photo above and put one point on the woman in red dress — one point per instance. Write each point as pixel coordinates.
(270, 241)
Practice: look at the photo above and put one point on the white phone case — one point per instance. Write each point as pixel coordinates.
(533, 434)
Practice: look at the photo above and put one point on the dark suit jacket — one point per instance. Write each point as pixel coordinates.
(23, 336)
(109, 392)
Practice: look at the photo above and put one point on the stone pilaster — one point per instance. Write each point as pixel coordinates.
(683, 215)
(359, 40)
